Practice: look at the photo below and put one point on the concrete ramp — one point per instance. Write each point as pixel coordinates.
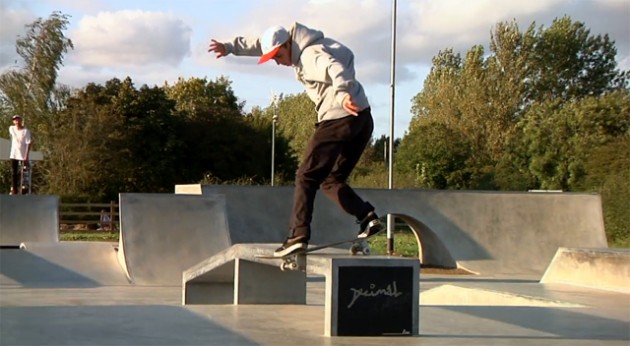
(28, 218)
(161, 235)
(484, 232)
(605, 269)
(63, 264)
(452, 295)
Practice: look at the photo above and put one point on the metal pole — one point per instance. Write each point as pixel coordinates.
(273, 147)
(274, 118)
(390, 218)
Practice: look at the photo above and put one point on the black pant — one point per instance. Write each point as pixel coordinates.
(331, 154)
(15, 175)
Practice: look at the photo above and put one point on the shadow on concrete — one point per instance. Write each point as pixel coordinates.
(562, 324)
(472, 279)
(112, 325)
(29, 270)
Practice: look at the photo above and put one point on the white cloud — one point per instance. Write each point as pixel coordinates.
(456, 17)
(424, 27)
(12, 25)
(130, 38)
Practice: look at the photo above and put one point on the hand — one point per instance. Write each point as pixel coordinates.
(350, 106)
(218, 48)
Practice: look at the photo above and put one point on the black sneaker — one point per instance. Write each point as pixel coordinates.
(291, 245)
(370, 226)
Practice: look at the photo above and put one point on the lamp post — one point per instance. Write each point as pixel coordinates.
(390, 218)
(274, 119)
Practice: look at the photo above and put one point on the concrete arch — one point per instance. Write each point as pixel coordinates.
(431, 250)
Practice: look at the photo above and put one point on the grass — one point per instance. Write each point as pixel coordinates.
(88, 236)
(405, 244)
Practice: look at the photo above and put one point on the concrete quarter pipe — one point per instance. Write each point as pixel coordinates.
(161, 235)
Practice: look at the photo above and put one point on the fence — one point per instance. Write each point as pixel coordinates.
(88, 216)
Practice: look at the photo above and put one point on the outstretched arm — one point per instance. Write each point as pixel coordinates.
(246, 46)
(218, 48)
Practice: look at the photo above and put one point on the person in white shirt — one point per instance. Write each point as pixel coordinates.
(20, 149)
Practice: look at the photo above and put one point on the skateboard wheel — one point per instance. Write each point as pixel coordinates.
(286, 266)
(355, 249)
(366, 251)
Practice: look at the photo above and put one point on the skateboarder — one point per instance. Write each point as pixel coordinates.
(20, 149)
(343, 128)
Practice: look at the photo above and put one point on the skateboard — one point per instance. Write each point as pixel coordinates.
(25, 178)
(297, 259)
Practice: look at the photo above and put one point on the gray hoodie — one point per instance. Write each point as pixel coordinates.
(324, 66)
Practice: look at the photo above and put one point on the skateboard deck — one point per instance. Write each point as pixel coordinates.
(296, 259)
(25, 178)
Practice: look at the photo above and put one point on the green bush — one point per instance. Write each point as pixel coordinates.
(608, 173)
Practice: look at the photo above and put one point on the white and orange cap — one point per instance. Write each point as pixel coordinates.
(271, 41)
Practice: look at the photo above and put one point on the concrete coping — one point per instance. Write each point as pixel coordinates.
(317, 263)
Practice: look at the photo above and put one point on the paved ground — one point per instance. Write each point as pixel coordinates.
(77, 294)
(527, 313)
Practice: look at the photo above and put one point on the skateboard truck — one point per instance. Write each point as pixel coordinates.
(293, 262)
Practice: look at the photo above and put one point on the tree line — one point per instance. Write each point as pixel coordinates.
(543, 108)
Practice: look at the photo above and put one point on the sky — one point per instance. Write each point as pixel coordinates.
(158, 41)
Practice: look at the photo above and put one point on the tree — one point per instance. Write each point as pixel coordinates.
(31, 90)
(560, 137)
(296, 120)
(226, 145)
(285, 158)
(608, 173)
(486, 99)
(82, 165)
(114, 138)
(568, 62)
(436, 155)
(197, 96)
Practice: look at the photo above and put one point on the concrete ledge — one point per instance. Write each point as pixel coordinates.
(237, 276)
(605, 269)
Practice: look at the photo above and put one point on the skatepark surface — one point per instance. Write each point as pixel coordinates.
(152, 315)
(127, 293)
